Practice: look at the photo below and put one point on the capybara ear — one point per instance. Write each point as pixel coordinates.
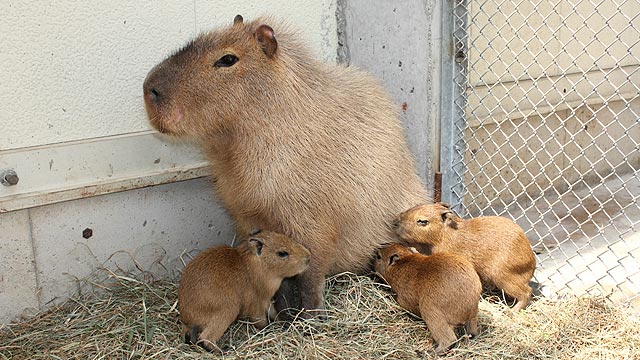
(256, 246)
(446, 215)
(238, 19)
(449, 219)
(267, 39)
(414, 250)
(393, 259)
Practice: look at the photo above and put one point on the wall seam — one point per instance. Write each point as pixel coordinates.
(342, 47)
(35, 261)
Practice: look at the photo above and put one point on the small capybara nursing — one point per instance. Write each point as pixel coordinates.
(222, 284)
(443, 289)
(497, 247)
(311, 150)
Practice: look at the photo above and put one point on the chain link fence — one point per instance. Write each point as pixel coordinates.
(542, 125)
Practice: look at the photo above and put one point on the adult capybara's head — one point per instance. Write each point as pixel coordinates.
(389, 255)
(425, 223)
(212, 80)
(277, 254)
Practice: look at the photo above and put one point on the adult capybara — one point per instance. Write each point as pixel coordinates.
(442, 288)
(310, 150)
(223, 283)
(497, 247)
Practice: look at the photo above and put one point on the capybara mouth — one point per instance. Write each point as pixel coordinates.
(402, 233)
(162, 111)
(164, 124)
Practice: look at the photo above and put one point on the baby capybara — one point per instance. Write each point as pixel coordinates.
(222, 284)
(497, 247)
(311, 150)
(443, 289)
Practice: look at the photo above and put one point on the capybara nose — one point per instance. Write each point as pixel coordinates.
(154, 95)
(152, 89)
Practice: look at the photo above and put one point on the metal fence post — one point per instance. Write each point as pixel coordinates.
(453, 102)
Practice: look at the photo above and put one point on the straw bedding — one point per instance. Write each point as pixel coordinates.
(120, 317)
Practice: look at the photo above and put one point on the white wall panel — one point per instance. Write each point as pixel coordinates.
(72, 119)
(73, 70)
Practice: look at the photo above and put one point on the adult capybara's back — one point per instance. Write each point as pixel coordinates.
(311, 150)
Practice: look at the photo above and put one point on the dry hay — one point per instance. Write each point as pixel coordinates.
(133, 319)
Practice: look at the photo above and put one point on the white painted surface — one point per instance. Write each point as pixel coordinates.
(74, 70)
(17, 266)
(80, 169)
(72, 74)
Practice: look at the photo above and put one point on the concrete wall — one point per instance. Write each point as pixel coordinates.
(550, 154)
(43, 250)
(399, 43)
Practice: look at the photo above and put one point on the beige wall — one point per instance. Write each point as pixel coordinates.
(531, 58)
(73, 70)
(72, 121)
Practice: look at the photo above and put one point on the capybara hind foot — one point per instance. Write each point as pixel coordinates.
(441, 332)
(518, 289)
(211, 333)
(471, 327)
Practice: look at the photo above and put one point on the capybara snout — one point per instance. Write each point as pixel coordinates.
(422, 222)
(388, 255)
(163, 111)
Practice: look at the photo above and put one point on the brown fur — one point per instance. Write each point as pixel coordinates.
(223, 283)
(442, 288)
(497, 247)
(310, 150)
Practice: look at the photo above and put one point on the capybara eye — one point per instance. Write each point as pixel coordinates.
(282, 254)
(421, 222)
(226, 61)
